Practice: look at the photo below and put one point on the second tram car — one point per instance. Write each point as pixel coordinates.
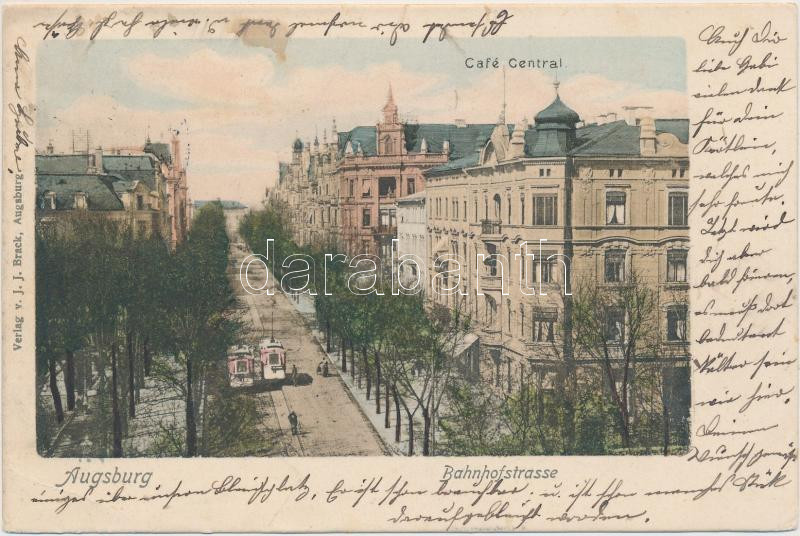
(273, 360)
(240, 366)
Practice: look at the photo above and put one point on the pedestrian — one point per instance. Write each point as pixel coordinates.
(325, 369)
(293, 422)
(294, 374)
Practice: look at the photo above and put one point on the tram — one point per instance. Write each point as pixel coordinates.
(245, 369)
(273, 360)
(240, 366)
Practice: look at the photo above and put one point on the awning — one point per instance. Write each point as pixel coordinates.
(466, 343)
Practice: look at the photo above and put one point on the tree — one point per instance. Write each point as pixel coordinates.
(49, 315)
(100, 248)
(615, 326)
(201, 326)
(426, 344)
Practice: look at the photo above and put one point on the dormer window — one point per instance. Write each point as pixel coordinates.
(50, 200)
(139, 202)
(80, 201)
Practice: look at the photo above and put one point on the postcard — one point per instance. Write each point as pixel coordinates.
(340, 268)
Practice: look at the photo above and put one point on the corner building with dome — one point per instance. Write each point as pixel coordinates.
(595, 204)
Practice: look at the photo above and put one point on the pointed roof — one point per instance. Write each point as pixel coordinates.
(557, 112)
(390, 105)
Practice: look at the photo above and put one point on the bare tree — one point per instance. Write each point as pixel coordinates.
(614, 326)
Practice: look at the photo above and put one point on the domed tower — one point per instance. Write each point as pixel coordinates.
(555, 127)
(297, 150)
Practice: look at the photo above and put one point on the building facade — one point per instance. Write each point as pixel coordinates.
(143, 188)
(594, 205)
(412, 239)
(347, 190)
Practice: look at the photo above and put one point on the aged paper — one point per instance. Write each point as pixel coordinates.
(401, 268)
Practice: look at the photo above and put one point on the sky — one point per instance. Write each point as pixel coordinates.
(239, 107)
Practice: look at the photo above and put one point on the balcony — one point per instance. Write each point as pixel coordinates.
(490, 228)
(491, 282)
(491, 336)
(385, 230)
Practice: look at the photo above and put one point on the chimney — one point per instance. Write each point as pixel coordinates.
(518, 140)
(176, 153)
(460, 123)
(98, 159)
(647, 136)
(50, 149)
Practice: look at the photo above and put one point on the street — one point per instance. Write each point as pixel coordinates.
(331, 424)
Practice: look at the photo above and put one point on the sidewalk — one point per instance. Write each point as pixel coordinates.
(304, 304)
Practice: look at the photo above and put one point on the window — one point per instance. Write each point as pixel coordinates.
(678, 205)
(542, 327)
(139, 202)
(490, 310)
(388, 218)
(491, 260)
(544, 210)
(547, 172)
(615, 325)
(541, 172)
(676, 323)
(683, 172)
(412, 186)
(352, 186)
(80, 200)
(465, 210)
(241, 366)
(522, 207)
(366, 218)
(522, 320)
(386, 186)
(615, 266)
(676, 266)
(509, 209)
(366, 189)
(543, 266)
(615, 208)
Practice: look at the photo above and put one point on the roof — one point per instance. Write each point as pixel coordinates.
(101, 192)
(160, 150)
(677, 127)
(418, 197)
(62, 163)
(464, 140)
(363, 137)
(617, 138)
(557, 113)
(140, 167)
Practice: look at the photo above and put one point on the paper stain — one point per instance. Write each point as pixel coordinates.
(261, 35)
